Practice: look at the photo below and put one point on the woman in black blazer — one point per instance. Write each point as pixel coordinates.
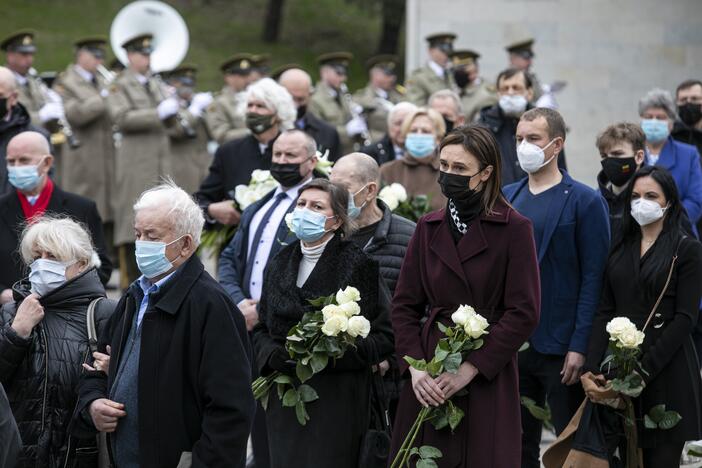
(652, 234)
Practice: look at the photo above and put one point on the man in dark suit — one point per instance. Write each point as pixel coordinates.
(299, 84)
(571, 231)
(29, 163)
(391, 146)
(262, 233)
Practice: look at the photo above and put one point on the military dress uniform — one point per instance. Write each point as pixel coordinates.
(525, 49)
(29, 93)
(426, 80)
(377, 103)
(226, 116)
(88, 170)
(476, 95)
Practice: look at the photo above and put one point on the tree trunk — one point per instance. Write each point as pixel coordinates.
(274, 18)
(393, 12)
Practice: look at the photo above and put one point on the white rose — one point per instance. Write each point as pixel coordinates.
(630, 338)
(461, 315)
(350, 294)
(476, 326)
(264, 187)
(335, 325)
(249, 198)
(350, 308)
(258, 176)
(288, 220)
(239, 192)
(331, 310)
(618, 325)
(359, 326)
(399, 191)
(389, 198)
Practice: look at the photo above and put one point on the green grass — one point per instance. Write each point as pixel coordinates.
(218, 28)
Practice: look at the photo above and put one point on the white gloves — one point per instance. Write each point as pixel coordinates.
(51, 111)
(356, 126)
(199, 103)
(167, 108)
(104, 93)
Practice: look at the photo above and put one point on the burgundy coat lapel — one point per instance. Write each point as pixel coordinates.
(443, 246)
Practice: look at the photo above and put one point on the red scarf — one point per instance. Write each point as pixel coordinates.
(34, 212)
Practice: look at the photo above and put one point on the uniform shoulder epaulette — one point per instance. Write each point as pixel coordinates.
(401, 89)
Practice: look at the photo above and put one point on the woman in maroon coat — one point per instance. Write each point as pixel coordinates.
(480, 252)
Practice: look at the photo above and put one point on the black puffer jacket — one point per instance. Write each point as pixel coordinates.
(389, 244)
(40, 373)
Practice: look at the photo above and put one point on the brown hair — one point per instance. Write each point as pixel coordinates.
(480, 142)
(510, 72)
(687, 84)
(554, 121)
(621, 131)
(339, 196)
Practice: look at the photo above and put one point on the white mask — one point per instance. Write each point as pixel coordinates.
(531, 157)
(646, 211)
(513, 105)
(46, 275)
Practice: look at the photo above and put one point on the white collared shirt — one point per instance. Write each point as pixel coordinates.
(268, 235)
(141, 78)
(438, 69)
(85, 74)
(262, 147)
(381, 93)
(399, 152)
(21, 80)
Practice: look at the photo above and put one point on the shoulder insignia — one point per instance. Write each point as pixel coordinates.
(491, 87)
(114, 88)
(400, 89)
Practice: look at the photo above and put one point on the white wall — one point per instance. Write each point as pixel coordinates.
(609, 51)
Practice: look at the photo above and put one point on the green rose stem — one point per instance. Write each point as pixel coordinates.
(404, 452)
(262, 385)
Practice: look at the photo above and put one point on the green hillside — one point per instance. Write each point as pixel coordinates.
(218, 28)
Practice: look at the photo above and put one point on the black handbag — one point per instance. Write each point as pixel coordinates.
(375, 446)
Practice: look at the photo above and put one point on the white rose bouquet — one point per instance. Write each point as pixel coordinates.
(412, 208)
(320, 336)
(459, 341)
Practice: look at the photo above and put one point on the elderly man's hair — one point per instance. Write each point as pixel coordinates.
(554, 121)
(276, 98)
(8, 79)
(185, 215)
(447, 94)
(62, 237)
(38, 141)
(365, 168)
(399, 107)
(660, 99)
(310, 143)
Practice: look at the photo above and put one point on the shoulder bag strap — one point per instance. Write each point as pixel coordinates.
(665, 286)
(90, 323)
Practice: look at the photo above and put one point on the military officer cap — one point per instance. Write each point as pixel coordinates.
(522, 48)
(464, 57)
(143, 43)
(442, 41)
(278, 71)
(339, 61)
(386, 62)
(238, 64)
(95, 45)
(185, 73)
(261, 62)
(20, 41)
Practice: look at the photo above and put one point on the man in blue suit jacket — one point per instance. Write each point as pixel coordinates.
(571, 231)
(261, 234)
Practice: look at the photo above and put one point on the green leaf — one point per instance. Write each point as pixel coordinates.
(455, 415)
(291, 398)
(283, 379)
(442, 327)
(320, 302)
(434, 368)
(301, 413)
(478, 343)
(281, 391)
(649, 423)
(307, 393)
(417, 364)
(427, 451)
(440, 354)
(670, 420)
(542, 414)
(318, 362)
(426, 463)
(441, 421)
(264, 401)
(524, 347)
(331, 345)
(303, 372)
(657, 412)
(414, 451)
(452, 362)
(294, 338)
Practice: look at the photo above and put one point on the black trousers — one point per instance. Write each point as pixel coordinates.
(540, 380)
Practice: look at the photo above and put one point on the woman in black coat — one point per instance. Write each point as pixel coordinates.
(652, 234)
(44, 341)
(321, 264)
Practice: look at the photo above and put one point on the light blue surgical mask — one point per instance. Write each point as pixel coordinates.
(151, 257)
(308, 225)
(420, 145)
(46, 275)
(23, 178)
(353, 210)
(655, 130)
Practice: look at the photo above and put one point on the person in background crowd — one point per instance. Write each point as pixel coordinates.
(474, 90)
(521, 57)
(571, 230)
(448, 104)
(260, 67)
(435, 75)
(189, 156)
(657, 112)
(89, 169)
(14, 119)
(653, 234)
(321, 263)
(331, 101)
(688, 98)
(515, 92)
(44, 340)
(478, 251)
(269, 110)
(224, 116)
(178, 386)
(380, 94)
(10, 442)
(299, 84)
(417, 171)
(29, 164)
(391, 146)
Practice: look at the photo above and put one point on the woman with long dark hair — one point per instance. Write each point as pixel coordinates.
(653, 232)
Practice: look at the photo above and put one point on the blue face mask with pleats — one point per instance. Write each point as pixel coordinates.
(353, 210)
(420, 145)
(151, 257)
(23, 178)
(308, 225)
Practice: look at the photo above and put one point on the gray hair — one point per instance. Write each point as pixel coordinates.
(399, 107)
(447, 94)
(8, 78)
(310, 143)
(185, 214)
(65, 239)
(276, 98)
(660, 99)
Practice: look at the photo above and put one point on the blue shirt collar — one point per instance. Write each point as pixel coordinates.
(148, 287)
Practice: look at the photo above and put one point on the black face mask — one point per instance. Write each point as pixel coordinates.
(461, 77)
(3, 107)
(690, 113)
(259, 123)
(301, 111)
(288, 175)
(449, 124)
(455, 187)
(619, 171)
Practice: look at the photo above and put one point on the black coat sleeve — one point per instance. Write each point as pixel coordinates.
(264, 344)
(598, 335)
(94, 222)
(212, 189)
(10, 443)
(13, 348)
